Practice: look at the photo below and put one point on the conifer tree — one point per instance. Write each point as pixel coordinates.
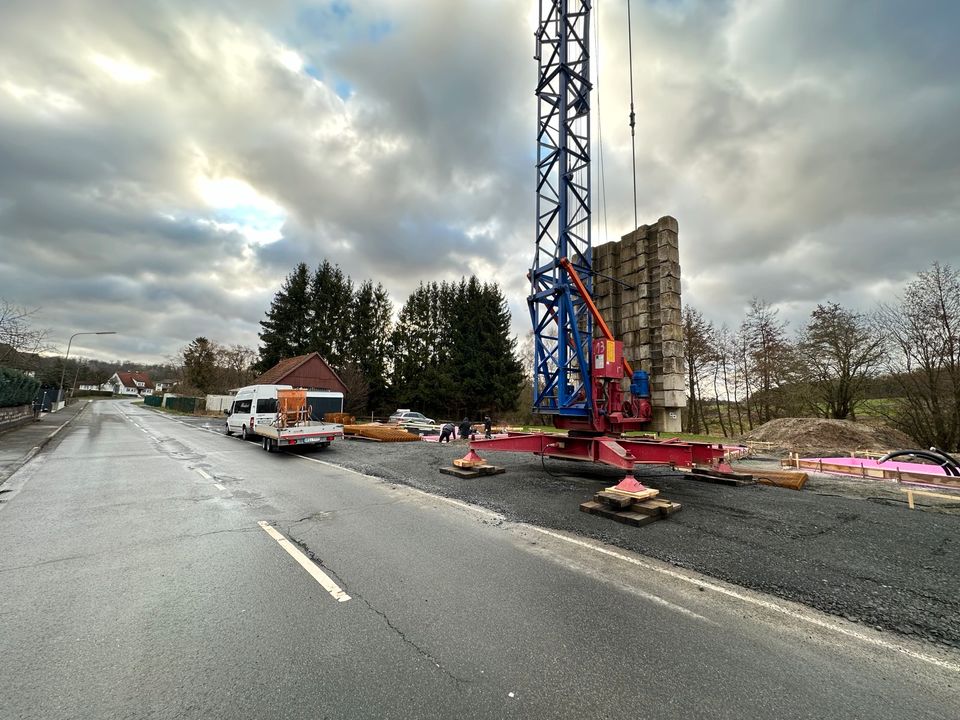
(368, 339)
(286, 329)
(331, 293)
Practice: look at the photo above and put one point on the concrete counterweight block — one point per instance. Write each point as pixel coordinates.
(645, 312)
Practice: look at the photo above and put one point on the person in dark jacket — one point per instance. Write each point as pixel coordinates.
(446, 432)
(465, 428)
(487, 427)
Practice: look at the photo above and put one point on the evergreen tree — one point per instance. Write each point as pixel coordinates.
(200, 364)
(286, 329)
(452, 350)
(369, 337)
(331, 293)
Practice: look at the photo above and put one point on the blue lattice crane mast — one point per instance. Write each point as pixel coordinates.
(577, 379)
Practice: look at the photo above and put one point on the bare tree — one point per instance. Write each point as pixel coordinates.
(358, 389)
(767, 354)
(839, 352)
(17, 333)
(698, 351)
(924, 334)
(235, 364)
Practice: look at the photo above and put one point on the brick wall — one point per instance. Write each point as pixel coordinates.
(644, 311)
(13, 417)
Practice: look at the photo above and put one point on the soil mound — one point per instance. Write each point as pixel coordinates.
(816, 436)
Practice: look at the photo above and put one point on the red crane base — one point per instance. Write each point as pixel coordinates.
(618, 452)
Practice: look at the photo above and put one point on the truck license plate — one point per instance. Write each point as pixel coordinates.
(311, 439)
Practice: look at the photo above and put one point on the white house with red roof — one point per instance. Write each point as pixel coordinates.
(126, 382)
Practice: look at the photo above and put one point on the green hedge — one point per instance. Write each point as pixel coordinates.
(16, 388)
(153, 400)
(184, 404)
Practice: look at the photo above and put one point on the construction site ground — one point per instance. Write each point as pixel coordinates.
(850, 548)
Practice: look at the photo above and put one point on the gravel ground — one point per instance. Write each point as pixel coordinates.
(859, 555)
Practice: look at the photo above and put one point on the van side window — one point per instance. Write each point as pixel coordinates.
(242, 406)
(233, 408)
(267, 405)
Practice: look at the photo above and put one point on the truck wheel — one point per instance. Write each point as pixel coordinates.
(227, 429)
(274, 445)
(263, 444)
(244, 435)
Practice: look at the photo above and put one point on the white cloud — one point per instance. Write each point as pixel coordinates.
(153, 159)
(123, 70)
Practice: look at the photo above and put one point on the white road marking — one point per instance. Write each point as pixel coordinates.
(202, 473)
(321, 577)
(766, 604)
(490, 514)
(218, 486)
(793, 612)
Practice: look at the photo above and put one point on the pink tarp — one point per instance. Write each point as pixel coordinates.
(857, 463)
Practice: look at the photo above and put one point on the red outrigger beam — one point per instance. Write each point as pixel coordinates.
(622, 452)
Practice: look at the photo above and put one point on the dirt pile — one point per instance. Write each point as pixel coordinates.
(816, 436)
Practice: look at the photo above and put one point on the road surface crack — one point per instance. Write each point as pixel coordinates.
(403, 636)
(389, 623)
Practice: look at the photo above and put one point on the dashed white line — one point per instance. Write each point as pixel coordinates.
(321, 577)
(699, 581)
(218, 486)
(202, 473)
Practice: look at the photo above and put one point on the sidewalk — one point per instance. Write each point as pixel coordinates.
(19, 445)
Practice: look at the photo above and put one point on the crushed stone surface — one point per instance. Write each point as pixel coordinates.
(864, 557)
(820, 437)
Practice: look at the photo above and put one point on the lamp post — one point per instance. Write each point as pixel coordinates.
(67, 356)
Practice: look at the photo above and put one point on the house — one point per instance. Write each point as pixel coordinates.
(162, 386)
(308, 371)
(92, 385)
(125, 382)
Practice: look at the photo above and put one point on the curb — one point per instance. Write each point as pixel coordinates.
(37, 448)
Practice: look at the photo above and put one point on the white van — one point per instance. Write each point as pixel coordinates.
(256, 405)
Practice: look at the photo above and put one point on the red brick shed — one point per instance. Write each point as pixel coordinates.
(306, 371)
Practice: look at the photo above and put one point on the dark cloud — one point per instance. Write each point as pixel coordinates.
(163, 167)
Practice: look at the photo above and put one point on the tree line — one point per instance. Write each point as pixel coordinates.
(904, 356)
(449, 351)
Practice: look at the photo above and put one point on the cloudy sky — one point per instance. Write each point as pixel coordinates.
(163, 165)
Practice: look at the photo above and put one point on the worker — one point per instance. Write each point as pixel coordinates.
(487, 427)
(466, 429)
(446, 432)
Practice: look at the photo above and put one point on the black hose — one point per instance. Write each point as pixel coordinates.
(948, 465)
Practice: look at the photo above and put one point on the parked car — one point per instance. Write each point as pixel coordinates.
(408, 417)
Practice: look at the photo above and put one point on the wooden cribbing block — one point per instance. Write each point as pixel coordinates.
(648, 493)
(464, 473)
(656, 507)
(616, 500)
(460, 462)
(622, 516)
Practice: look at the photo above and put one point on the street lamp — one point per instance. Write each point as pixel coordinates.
(67, 356)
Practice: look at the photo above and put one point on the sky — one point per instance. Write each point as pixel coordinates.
(164, 165)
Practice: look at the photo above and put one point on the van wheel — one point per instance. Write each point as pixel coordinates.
(265, 444)
(244, 435)
(227, 429)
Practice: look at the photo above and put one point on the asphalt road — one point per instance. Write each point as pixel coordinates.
(137, 581)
